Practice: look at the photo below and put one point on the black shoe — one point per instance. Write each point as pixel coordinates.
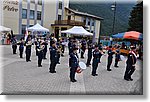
(58, 62)
(90, 64)
(94, 74)
(29, 60)
(116, 66)
(108, 69)
(52, 71)
(126, 79)
(39, 65)
(130, 79)
(44, 58)
(73, 81)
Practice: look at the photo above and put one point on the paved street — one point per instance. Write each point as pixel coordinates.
(21, 77)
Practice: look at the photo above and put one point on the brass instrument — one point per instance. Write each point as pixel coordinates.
(29, 43)
(41, 47)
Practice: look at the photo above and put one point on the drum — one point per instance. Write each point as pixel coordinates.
(82, 66)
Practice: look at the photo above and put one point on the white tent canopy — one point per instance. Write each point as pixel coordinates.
(78, 30)
(4, 29)
(38, 27)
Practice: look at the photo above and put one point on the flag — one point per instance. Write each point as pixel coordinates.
(26, 34)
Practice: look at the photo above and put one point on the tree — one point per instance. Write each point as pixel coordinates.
(136, 18)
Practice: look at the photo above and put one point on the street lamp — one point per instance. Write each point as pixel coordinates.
(113, 8)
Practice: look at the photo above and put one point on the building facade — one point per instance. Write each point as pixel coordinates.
(52, 14)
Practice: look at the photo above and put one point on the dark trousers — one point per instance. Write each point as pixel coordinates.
(52, 66)
(44, 54)
(36, 51)
(58, 59)
(14, 47)
(109, 63)
(82, 53)
(63, 48)
(40, 57)
(94, 67)
(70, 51)
(28, 54)
(129, 71)
(72, 73)
(21, 52)
(116, 62)
(89, 58)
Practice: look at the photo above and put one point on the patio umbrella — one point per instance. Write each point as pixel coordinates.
(129, 35)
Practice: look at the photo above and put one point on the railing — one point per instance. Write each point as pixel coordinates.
(69, 22)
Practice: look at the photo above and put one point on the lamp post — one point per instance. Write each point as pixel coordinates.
(113, 8)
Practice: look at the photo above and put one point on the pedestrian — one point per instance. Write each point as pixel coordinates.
(83, 47)
(28, 45)
(37, 44)
(96, 55)
(45, 48)
(131, 61)
(63, 47)
(117, 58)
(74, 64)
(53, 57)
(40, 50)
(110, 58)
(90, 47)
(21, 47)
(58, 46)
(14, 44)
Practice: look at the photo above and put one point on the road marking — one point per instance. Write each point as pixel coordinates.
(79, 86)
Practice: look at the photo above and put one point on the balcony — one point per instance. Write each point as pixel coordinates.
(68, 22)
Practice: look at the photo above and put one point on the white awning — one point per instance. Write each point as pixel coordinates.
(4, 29)
(38, 27)
(78, 30)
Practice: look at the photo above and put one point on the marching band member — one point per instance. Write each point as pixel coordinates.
(21, 47)
(83, 47)
(40, 49)
(14, 44)
(110, 58)
(28, 49)
(90, 47)
(53, 57)
(45, 48)
(131, 61)
(117, 58)
(73, 63)
(96, 55)
(101, 50)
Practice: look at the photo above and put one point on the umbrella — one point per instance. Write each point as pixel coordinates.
(129, 35)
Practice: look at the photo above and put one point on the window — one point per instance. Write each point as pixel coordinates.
(40, 2)
(23, 29)
(31, 14)
(24, 13)
(32, 1)
(38, 15)
(59, 17)
(60, 5)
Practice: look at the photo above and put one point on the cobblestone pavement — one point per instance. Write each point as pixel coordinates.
(20, 77)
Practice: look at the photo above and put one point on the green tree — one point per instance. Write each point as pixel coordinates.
(136, 18)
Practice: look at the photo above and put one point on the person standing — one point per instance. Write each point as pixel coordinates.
(21, 47)
(14, 44)
(63, 47)
(53, 57)
(90, 47)
(131, 61)
(117, 58)
(83, 48)
(96, 55)
(70, 46)
(28, 49)
(40, 50)
(110, 58)
(45, 48)
(74, 64)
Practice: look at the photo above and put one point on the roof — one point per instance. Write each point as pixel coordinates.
(84, 14)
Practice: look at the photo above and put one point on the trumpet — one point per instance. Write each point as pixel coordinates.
(29, 43)
(41, 48)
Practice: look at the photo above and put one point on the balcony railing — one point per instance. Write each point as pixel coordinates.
(69, 22)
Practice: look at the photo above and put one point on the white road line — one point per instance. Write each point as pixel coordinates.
(79, 86)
